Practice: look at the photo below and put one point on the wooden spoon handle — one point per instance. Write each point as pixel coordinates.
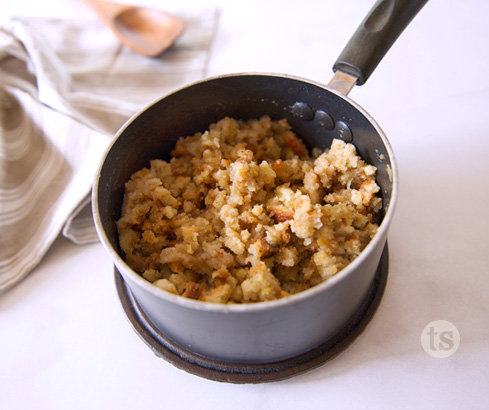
(106, 10)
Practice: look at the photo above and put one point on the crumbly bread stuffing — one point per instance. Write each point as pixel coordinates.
(244, 213)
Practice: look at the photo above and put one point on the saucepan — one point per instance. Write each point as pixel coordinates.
(268, 340)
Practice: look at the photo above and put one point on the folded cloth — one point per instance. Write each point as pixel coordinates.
(65, 89)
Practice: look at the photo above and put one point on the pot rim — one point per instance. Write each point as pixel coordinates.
(128, 273)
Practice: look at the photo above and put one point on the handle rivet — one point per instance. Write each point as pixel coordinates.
(344, 132)
(303, 111)
(324, 120)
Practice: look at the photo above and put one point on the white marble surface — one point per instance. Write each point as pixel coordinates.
(66, 344)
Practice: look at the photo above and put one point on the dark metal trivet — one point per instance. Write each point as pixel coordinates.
(211, 369)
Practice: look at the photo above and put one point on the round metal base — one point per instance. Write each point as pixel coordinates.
(201, 366)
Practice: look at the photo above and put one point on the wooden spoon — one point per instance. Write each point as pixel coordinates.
(146, 31)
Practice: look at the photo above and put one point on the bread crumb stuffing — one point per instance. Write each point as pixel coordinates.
(243, 213)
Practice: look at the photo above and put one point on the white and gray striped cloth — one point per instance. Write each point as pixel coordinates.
(65, 89)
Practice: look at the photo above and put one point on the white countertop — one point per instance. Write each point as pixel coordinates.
(66, 344)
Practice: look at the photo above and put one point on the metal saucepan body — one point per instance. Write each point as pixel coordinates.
(252, 333)
(269, 331)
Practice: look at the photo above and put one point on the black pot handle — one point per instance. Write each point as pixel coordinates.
(375, 35)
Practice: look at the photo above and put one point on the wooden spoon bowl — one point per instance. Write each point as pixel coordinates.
(146, 31)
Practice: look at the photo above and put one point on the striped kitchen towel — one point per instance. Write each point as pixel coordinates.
(65, 89)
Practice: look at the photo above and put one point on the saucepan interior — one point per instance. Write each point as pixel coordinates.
(267, 331)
